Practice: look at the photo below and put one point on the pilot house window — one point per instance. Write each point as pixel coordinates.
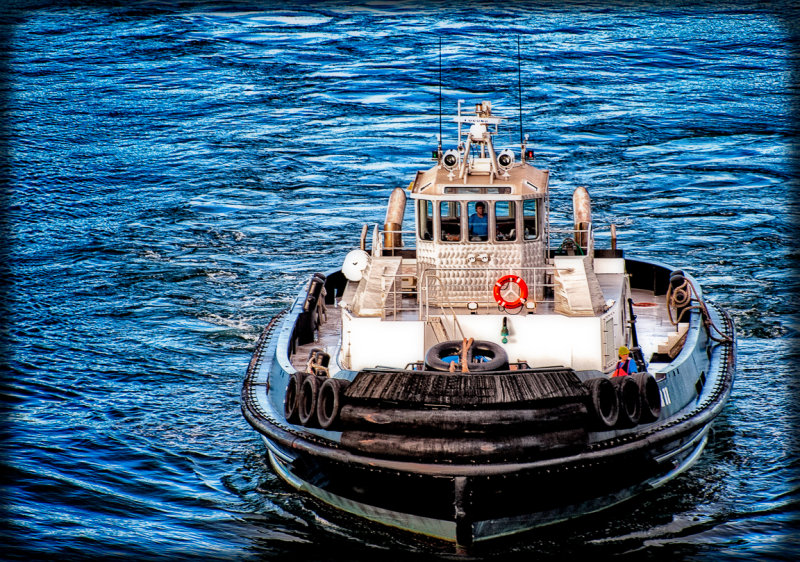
(450, 217)
(478, 212)
(505, 220)
(530, 223)
(425, 215)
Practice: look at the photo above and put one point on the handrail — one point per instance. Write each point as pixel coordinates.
(423, 305)
(380, 235)
(551, 232)
(432, 272)
(456, 323)
(575, 235)
(395, 292)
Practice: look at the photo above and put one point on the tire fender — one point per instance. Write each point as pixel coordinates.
(630, 403)
(329, 401)
(307, 400)
(496, 355)
(649, 395)
(290, 401)
(603, 401)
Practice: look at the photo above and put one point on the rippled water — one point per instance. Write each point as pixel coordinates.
(175, 174)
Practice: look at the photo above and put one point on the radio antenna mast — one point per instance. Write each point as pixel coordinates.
(519, 88)
(440, 96)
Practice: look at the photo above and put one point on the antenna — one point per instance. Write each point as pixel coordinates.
(519, 87)
(440, 96)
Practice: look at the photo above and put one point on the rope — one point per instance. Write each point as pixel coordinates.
(463, 356)
(314, 364)
(680, 297)
(570, 244)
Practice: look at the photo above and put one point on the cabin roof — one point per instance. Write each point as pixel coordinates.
(524, 181)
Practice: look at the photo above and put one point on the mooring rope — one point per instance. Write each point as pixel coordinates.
(680, 297)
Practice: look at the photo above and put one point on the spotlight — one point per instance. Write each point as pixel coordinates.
(450, 159)
(506, 159)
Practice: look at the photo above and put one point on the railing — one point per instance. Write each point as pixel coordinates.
(394, 292)
(572, 241)
(403, 292)
(443, 305)
(562, 240)
(486, 301)
(396, 238)
(418, 298)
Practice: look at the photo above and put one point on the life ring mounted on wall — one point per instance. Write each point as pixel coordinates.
(501, 285)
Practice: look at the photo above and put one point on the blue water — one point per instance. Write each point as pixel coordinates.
(174, 174)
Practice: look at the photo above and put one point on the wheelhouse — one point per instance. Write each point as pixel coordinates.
(480, 209)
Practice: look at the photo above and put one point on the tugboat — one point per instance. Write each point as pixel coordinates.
(489, 374)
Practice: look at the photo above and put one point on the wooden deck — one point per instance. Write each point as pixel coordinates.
(652, 323)
(328, 339)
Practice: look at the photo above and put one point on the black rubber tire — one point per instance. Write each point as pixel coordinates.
(498, 359)
(630, 403)
(290, 401)
(314, 291)
(433, 358)
(307, 400)
(329, 402)
(308, 320)
(649, 395)
(604, 401)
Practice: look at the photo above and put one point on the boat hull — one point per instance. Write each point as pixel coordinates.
(470, 508)
(466, 500)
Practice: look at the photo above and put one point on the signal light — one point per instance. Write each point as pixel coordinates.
(506, 159)
(450, 159)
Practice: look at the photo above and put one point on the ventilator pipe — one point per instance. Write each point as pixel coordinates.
(582, 216)
(392, 239)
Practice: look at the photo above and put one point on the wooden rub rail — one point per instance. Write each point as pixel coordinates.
(448, 420)
(513, 389)
(470, 448)
(442, 417)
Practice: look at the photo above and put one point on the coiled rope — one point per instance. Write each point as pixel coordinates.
(680, 297)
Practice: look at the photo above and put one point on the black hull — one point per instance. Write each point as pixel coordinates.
(469, 503)
(464, 500)
(465, 503)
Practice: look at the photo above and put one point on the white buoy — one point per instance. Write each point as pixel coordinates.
(355, 262)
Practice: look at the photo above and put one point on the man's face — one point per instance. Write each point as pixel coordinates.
(479, 209)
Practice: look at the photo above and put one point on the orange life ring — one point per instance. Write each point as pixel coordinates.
(505, 280)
